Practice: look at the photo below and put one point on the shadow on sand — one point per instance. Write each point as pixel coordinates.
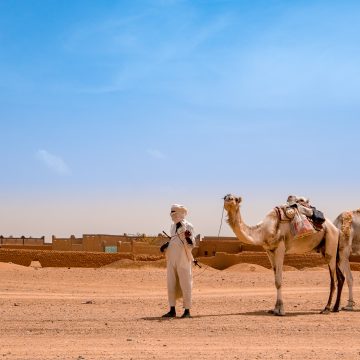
(247, 313)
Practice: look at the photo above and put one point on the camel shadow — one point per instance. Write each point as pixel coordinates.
(350, 311)
(270, 314)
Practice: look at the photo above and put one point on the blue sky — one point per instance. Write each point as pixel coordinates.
(110, 111)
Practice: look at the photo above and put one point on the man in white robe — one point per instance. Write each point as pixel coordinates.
(179, 260)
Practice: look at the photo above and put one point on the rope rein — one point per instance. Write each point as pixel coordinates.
(222, 217)
(207, 266)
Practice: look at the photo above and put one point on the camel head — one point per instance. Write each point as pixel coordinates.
(232, 203)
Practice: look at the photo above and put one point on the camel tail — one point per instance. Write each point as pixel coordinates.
(339, 223)
(343, 223)
(338, 250)
(339, 273)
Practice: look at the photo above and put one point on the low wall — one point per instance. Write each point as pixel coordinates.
(210, 248)
(61, 258)
(98, 242)
(61, 244)
(141, 248)
(124, 247)
(223, 260)
(210, 245)
(22, 240)
(28, 247)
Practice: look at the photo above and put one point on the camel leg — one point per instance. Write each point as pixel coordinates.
(277, 260)
(340, 283)
(332, 289)
(342, 262)
(345, 266)
(271, 257)
(331, 260)
(333, 257)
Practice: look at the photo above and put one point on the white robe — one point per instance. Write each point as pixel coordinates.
(179, 265)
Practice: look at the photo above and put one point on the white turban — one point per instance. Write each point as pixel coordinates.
(178, 213)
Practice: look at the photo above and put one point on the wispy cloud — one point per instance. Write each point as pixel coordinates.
(53, 162)
(156, 154)
(133, 52)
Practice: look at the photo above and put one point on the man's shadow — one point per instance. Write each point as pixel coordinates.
(246, 313)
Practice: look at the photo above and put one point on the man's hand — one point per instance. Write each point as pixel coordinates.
(164, 246)
(187, 234)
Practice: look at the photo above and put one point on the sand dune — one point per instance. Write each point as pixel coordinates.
(11, 266)
(135, 264)
(247, 268)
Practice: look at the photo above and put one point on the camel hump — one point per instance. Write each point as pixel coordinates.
(346, 221)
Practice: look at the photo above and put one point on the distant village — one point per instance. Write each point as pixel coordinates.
(125, 243)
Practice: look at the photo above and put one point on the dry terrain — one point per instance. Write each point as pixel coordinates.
(113, 312)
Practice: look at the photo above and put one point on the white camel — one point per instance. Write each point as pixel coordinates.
(348, 223)
(276, 238)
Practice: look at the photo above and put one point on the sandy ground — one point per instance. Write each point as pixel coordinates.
(114, 313)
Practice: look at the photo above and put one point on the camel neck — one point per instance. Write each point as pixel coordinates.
(246, 234)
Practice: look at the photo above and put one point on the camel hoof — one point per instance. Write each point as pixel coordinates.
(335, 310)
(347, 308)
(325, 311)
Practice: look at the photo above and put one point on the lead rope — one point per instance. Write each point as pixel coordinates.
(222, 216)
(207, 266)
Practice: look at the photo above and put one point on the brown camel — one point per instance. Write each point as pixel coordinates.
(276, 238)
(348, 223)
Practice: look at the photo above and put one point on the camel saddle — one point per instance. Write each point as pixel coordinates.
(288, 212)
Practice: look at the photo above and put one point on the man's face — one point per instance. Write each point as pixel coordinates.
(177, 215)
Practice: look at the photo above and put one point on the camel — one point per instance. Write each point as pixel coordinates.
(277, 240)
(348, 223)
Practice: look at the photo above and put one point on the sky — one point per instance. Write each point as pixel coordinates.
(111, 111)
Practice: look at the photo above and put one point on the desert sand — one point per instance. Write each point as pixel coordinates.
(114, 312)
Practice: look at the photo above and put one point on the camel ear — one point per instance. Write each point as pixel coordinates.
(239, 199)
